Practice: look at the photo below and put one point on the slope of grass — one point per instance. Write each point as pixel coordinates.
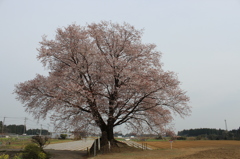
(20, 143)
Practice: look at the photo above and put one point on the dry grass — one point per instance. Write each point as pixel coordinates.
(144, 154)
(182, 150)
(192, 144)
(20, 144)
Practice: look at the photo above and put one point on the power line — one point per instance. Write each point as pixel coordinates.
(15, 117)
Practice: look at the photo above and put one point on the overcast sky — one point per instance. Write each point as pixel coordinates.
(199, 40)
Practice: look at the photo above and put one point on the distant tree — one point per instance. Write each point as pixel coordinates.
(211, 134)
(102, 75)
(17, 129)
(159, 137)
(41, 141)
(170, 133)
(116, 134)
(37, 132)
(181, 138)
(63, 136)
(235, 134)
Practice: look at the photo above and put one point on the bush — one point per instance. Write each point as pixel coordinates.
(18, 156)
(159, 137)
(77, 136)
(201, 137)
(32, 151)
(63, 136)
(4, 156)
(42, 155)
(41, 141)
(181, 138)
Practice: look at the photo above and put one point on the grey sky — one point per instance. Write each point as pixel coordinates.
(200, 40)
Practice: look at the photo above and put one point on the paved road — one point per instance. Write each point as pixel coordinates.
(74, 145)
(84, 144)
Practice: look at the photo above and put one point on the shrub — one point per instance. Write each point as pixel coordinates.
(42, 155)
(181, 138)
(4, 156)
(18, 156)
(201, 137)
(198, 137)
(159, 137)
(31, 151)
(77, 136)
(63, 136)
(41, 141)
(35, 150)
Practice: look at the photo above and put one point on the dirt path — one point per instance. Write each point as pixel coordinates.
(66, 154)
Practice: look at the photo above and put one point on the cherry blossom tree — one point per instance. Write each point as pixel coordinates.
(102, 75)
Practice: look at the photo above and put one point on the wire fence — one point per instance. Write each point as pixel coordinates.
(96, 147)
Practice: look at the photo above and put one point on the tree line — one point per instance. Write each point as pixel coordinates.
(21, 129)
(211, 134)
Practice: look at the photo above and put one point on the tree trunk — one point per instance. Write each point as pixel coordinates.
(110, 135)
(107, 141)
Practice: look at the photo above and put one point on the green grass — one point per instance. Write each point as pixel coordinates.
(119, 139)
(14, 143)
(20, 143)
(154, 140)
(55, 141)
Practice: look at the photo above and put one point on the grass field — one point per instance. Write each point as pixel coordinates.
(188, 149)
(20, 143)
(191, 144)
(204, 149)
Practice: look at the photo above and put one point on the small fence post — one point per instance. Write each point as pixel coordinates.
(109, 146)
(99, 143)
(94, 148)
(88, 152)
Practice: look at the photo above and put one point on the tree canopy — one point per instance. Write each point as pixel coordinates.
(102, 75)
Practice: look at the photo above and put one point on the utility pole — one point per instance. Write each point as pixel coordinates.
(24, 130)
(48, 130)
(226, 124)
(41, 130)
(3, 124)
